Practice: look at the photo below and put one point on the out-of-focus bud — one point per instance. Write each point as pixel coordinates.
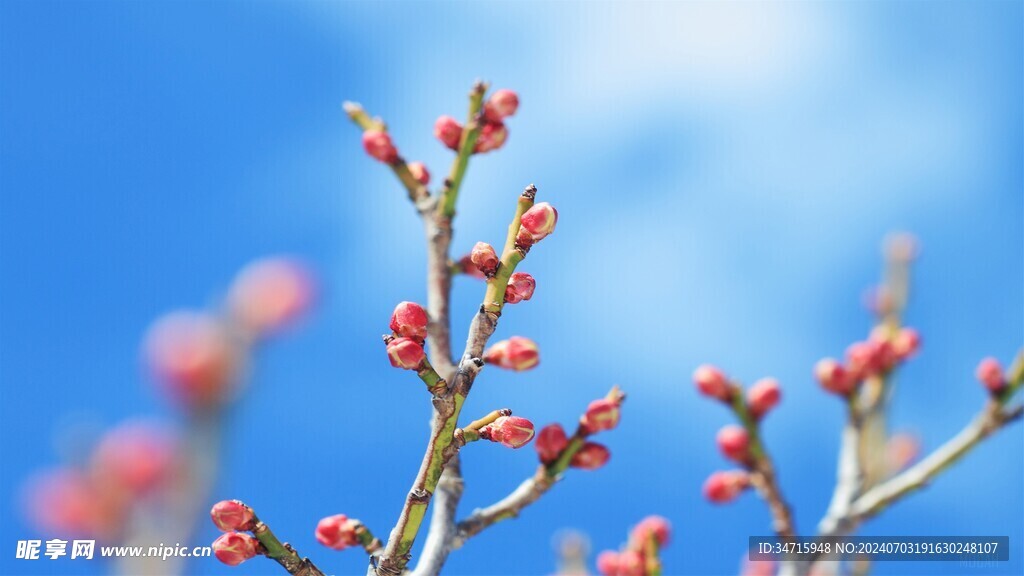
(601, 414)
(67, 502)
(419, 172)
(193, 356)
(510, 431)
(862, 360)
(492, 136)
(233, 548)
(883, 353)
(520, 287)
(734, 442)
(990, 373)
(405, 353)
(502, 104)
(652, 527)
(901, 450)
(833, 377)
(536, 223)
(269, 294)
(410, 320)
(906, 343)
(337, 532)
(467, 267)
(591, 456)
(725, 485)
(135, 457)
(763, 396)
(551, 441)
(608, 563)
(378, 144)
(517, 353)
(229, 515)
(448, 131)
(631, 563)
(712, 382)
(484, 258)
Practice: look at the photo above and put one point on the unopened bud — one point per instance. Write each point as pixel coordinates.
(492, 136)
(405, 353)
(337, 532)
(233, 548)
(230, 515)
(520, 287)
(990, 373)
(502, 104)
(906, 343)
(271, 293)
(193, 356)
(734, 442)
(712, 382)
(510, 431)
(551, 441)
(419, 172)
(608, 563)
(467, 267)
(725, 486)
(591, 456)
(602, 414)
(448, 131)
(517, 353)
(410, 320)
(763, 396)
(652, 527)
(862, 360)
(377, 144)
(833, 377)
(484, 258)
(536, 223)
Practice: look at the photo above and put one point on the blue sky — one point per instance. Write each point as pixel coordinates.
(724, 174)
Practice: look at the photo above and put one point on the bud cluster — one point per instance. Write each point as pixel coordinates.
(640, 555)
(761, 397)
(234, 518)
(408, 334)
(882, 352)
(493, 133)
(601, 414)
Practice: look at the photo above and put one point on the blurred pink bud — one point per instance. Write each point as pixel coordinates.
(419, 172)
(551, 441)
(990, 373)
(66, 502)
(269, 294)
(510, 431)
(906, 343)
(712, 382)
(520, 287)
(193, 356)
(602, 414)
(233, 548)
(608, 563)
(448, 131)
(502, 104)
(229, 515)
(725, 485)
(631, 563)
(337, 532)
(405, 353)
(537, 223)
(517, 353)
(862, 360)
(591, 456)
(652, 527)
(410, 320)
(901, 450)
(833, 377)
(763, 396)
(484, 258)
(135, 457)
(378, 145)
(492, 136)
(734, 442)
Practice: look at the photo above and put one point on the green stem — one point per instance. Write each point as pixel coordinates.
(470, 134)
(281, 553)
(511, 256)
(416, 190)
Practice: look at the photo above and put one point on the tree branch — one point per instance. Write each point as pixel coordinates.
(283, 554)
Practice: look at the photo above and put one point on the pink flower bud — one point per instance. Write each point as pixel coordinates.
(602, 414)
(631, 563)
(608, 563)
(502, 104)
(725, 486)
(269, 294)
(591, 456)
(337, 532)
(990, 373)
(833, 377)
(448, 131)
(193, 357)
(419, 172)
(484, 258)
(233, 548)
(410, 320)
(862, 360)
(467, 267)
(763, 396)
(517, 353)
(551, 441)
(712, 382)
(734, 442)
(135, 457)
(229, 515)
(906, 343)
(492, 136)
(68, 502)
(520, 287)
(537, 223)
(510, 431)
(405, 353)
(652, 527)
(378, 144)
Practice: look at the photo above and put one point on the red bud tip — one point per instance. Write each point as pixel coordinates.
(833, 377)
(405, 353)
(591, 456)
(448, 131)
(712, 382)
(484, 258)
(378, 145)
(537, 223)
(763, 396)
(492, 136)
(734, 442)
(990, 374)
(551, 441)
(602, 414)
(520, 287)
(409, 320)
(193, 356)
(233, 548)
(652, 527)
(517, 353)
(230, 515)
(725, 486)
(502, 104)
(510, 431)
(337, 532)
